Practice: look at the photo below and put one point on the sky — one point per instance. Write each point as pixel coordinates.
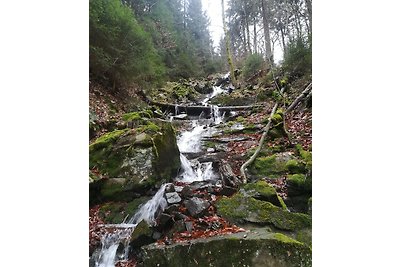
(214, 12)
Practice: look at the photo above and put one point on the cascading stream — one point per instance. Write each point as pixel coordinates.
(188, 142)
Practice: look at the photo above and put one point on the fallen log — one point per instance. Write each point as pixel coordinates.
(303, 94)
(197, 110)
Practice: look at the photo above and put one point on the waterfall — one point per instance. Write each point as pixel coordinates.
(215, 114)
(191, 170)
(190, 141)
(111, 241)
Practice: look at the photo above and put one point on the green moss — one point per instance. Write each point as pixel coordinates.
(239, 119)
(283, 205)
(133, 116)
(276, 118)
(267, 166)
(112, 212)
(299, 183)
(137, 115)
(285, 239)
(107, 139)
(294, 166)
(262, 188)
(167, 162)
(149, 128)
(265, 250)
(241, 209)
(304, 236)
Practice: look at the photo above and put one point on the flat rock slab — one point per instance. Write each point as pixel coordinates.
(173, 198)
(253, 249)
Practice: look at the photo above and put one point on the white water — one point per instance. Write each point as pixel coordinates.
(216, 91)
(111, 241)
(190, 141)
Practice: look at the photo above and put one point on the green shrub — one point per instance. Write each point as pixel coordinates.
(298, 59)
(252, 64)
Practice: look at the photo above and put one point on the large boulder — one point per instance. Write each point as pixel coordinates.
(261, 190)
(242, 209)
(276, 165)
(133, 160)
(253, 249)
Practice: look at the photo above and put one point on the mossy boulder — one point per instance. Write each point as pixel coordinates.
(276, 165)
(245, 209)
(133, 161)
(299, 184)
(141, 235)
(251, 249)
(175, 92)
(261, 190)
(294, 166)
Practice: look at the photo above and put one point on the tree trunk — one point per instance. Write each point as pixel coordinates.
(309, 11)
(267, 38)
(255, 35)
(227, 43)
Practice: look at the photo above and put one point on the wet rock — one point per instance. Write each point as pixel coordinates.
(180, 216)
(172, 208)
(255, 250)
(169, 188)
(226, 191)
(142, 235)
(173, 198)
(186, 192)
(196, 206)
(164, 219)
(214, 157)
(193, 155)
(179, 226)
(228, 177)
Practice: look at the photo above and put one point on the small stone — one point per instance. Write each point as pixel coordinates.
(164, 219)
(178, 188)
(210, 150)
(172, 208)
(196, 206)
(169, 188)
(173, 198)
(186, 192)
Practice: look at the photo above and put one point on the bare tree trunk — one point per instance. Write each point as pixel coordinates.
(309, 11)
(267, 38)
(283, 41)
(255, 35)
(227, 43)
(244, 39)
